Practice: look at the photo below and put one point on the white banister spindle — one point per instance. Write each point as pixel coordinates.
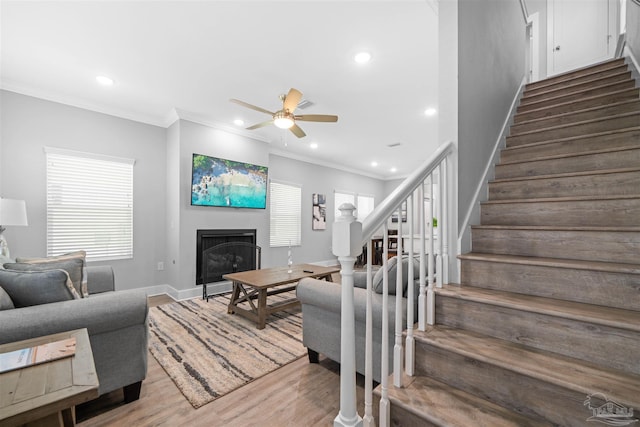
(422, 298)
(347, 245)
(444, 233)
(431, 297)
(409, 345)
(385, 409)
(368, 419)
(438, 215)
(398, 357)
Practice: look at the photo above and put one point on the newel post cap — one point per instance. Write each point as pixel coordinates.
(347, 233)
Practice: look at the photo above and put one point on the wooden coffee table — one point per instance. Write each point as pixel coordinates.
(48, 392)
(259, 284)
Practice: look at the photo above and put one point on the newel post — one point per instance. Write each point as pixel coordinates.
(347, 245)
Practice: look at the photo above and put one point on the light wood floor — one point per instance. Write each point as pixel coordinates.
(298, 394)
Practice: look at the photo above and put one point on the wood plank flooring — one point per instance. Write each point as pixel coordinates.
(299, 393)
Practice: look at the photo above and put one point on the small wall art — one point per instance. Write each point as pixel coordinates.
(319, 212)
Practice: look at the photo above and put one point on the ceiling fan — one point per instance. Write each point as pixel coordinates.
(284, 118)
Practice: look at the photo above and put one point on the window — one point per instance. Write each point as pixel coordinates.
(365, 206)
(89, 204)
(285, 222)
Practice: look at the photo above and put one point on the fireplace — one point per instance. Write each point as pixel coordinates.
(227, 251)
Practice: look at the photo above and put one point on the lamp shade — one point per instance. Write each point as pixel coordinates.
(13, 212)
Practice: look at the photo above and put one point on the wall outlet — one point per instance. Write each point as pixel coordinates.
(160, 266)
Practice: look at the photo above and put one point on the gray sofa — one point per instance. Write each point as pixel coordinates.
(116, 322)
(321, 305)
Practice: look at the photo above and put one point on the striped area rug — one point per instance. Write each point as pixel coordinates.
(209, 353)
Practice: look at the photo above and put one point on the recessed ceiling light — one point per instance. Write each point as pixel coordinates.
(313, 145)
(374, 164)
(393, 170)
(104, 80)
(238, 122)
(430, 112)
(362, 57)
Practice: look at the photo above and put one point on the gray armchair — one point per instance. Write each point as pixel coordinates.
(321, 305)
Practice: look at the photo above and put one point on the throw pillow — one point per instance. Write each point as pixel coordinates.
(73, 267)
(79, 279)
(5, 301)
(27, 288)
(392, 268)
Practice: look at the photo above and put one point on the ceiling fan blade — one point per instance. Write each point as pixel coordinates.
(253, 107)
(260, 125)
(317, 118)
(297, 131)
(291, 100)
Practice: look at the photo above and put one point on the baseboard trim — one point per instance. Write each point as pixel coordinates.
(633, 62)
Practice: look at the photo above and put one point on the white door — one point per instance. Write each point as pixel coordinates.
(580, 33)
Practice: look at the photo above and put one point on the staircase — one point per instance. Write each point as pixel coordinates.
(545, 325)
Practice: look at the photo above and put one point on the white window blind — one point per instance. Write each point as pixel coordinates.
(285, 220)
(89, 205)
(365, 206)
(340, 198)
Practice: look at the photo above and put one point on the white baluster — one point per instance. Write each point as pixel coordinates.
(397, 348)
(431, 297)
(439, 265)
(409, 342)
(422, 298)
(385, 408)
(347, 238)
(444, 233)
(368, 419)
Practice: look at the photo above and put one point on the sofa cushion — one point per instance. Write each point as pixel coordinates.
(27, 288)
(77, 274)
(5, 301)
(392, 267)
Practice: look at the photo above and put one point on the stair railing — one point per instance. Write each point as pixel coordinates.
(432, 258)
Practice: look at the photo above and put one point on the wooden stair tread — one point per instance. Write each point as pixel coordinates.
(443, 405)
(556, 228)
(570, 86)
(586, 98)
(552, 81)
(580, 123)
(610, 267)
(564, 199)
(589, 69)
(601, 315)
(571, 113)
(563, 371)
(591, 135)
(566, 175)
(560, 97)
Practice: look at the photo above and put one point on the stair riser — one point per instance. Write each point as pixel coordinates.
(572, 146)
(590, 213)
(622, 183)
(606, 246)
(577, 74)
(581, 340)
(583, 79)
(587, 128)
(601, 90)
(580, 163)
(563, 90)
(525, 395)
(625, 95)
(585, 286)
(568, 119)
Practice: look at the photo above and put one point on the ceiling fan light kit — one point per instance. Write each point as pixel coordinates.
(284, 118)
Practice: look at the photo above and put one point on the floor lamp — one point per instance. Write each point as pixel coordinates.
(12, 212)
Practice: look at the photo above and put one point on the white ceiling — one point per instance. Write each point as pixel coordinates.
(191, 57)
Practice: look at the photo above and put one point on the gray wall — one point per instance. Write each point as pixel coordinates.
(29, 124)
(633, 28)
(491, 46)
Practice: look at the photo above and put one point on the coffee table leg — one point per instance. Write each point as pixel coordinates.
(234, 298)
(262, 308)
(68, 417)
